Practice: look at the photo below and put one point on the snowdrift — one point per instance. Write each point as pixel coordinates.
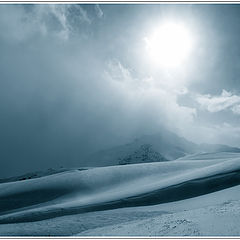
(112, 187)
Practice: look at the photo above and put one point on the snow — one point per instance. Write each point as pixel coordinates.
(219, 220)
(89, 224)
(73, 196)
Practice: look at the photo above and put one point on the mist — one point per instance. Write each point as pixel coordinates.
(75, 79)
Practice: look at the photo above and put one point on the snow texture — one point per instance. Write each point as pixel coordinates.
(104, 188)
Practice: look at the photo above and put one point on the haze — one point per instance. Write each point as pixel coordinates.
(75, 79)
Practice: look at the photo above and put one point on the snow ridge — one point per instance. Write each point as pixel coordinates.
(115, 187)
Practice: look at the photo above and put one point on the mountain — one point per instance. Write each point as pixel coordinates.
(166, 145)
(218, 148)
(144, 154)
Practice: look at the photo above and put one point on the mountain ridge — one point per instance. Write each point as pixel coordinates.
(165, 143)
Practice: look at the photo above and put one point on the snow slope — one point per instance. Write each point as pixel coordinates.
(216, 220)
(37, 174)
(218, 211)
(113, 187)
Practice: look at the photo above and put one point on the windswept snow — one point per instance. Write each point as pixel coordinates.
(112, 187)
(94, 223)
(218, 220)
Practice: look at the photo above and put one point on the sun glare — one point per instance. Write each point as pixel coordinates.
(169, 45)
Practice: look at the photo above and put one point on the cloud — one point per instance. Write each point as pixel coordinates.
(20, 23)
(67, 96)
(67, 101)
(226, 100)
(236, 109)
(227, 133)
(99, 11)
(223, 133)
(151, 105)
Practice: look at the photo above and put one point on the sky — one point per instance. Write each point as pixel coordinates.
(75, 79)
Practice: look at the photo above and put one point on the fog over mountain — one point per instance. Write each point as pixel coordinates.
(164, 146)
(78, 79)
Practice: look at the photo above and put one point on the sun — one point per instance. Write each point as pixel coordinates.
(169, 45)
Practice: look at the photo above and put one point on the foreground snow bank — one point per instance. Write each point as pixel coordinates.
(116, 186)
(90, 223)
(217, 220)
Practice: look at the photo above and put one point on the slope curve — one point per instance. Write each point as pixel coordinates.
(114, 187)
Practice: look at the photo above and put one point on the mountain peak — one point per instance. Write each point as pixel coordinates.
(144, 154)
(162, 146)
